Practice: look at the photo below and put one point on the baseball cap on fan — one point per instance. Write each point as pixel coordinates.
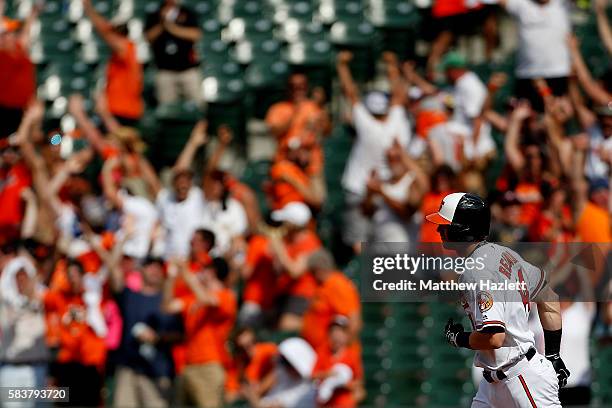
(376, 102)
(295, 213)
(299, 354)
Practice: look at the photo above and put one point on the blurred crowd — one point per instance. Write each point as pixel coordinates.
(163, 280)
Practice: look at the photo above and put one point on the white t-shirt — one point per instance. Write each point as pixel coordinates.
(542, 30)
(373, 139)
(469, 96)
(180, 219)
(143, 216)
(226, 224)
(575, 342)
(508, 309)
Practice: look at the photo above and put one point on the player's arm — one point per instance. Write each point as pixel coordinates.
(488, 338)
(549, 312)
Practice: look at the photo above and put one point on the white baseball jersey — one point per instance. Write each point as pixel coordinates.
(500, 296)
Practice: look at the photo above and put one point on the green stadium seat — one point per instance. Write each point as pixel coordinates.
(254, 176)
(266, 82)
(175, 122)
(144, 7)
(301, 11)
(264, 52)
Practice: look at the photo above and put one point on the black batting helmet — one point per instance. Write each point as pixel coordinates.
(468, 218)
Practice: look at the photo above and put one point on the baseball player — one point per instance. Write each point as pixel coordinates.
(515, 375)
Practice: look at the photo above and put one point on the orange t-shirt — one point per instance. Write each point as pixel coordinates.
(262, 362)
(260, 287)
(125, 83)
(305, 286)
(425, 120)
(350, 356)
(593, 225)
(76, 340)
(18, 78)
(181, 289)
(282, 192)
(238, 189)
(207, 328)
(336, 296)
(542, 225)
(13, 182)
(298, 118)
(530, 198)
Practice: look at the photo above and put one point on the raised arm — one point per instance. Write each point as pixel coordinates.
(40, 176)
(396, 80)
(513, 135)
(202, 294)
(108, 184)
(556, 114)
(579, 186)
(294, 267)
(111, 259)
(224, 138)
(105, 29)
(597, 93)
(584, 114)
(412, 76)
(30, 217)
(170, 303)
(24, 36)
(197, 139)
(74, 165)
(603, 25)
(149, 176)
(91, 132)
(110, 123)
(154, 28)
(346, 78)
(185, 33)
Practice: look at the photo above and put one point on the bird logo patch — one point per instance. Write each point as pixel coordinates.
(485, 301)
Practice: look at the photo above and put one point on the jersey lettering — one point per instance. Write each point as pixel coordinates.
(505, 264)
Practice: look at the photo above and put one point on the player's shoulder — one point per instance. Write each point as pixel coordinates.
(488, 254)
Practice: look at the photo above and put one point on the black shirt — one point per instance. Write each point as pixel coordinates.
(170, 52)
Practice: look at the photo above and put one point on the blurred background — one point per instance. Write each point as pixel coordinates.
(185, 187)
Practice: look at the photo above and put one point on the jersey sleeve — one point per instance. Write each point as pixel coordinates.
(535, 279)
(487, 307)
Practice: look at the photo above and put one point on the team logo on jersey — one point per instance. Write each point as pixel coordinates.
(485, 301)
